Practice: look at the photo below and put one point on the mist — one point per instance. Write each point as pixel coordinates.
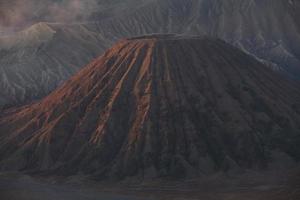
(16, 13)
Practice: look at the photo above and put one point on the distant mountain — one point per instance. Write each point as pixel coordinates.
(266, 29)
(159, 106)
(36, 60)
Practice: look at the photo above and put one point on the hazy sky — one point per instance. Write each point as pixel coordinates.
(20, 12)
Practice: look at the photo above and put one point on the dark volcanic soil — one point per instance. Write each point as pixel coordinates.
(248, 186)
(159, 106)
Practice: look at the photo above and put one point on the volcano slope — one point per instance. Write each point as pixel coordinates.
(35, 61)
(267, 29)
(158, 106)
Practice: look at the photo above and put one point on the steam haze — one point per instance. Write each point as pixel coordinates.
(19, 12)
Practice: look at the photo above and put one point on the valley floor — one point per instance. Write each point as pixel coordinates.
(250, 187)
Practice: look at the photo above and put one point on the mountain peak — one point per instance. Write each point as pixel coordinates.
(31, 36)
(182, 107)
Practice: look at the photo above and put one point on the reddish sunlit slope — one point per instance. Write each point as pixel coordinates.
(158, 106)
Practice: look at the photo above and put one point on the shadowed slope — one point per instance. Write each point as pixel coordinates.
(155, 106)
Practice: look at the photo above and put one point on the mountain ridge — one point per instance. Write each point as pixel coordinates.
(267, 30)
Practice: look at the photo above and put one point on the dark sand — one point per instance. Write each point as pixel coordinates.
(250, 186)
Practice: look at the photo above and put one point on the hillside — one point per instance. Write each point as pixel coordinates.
(31, 68)
(159, 106)
(36, 60)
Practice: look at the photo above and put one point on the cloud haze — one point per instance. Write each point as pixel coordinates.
(21, 12)
(71, 10)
